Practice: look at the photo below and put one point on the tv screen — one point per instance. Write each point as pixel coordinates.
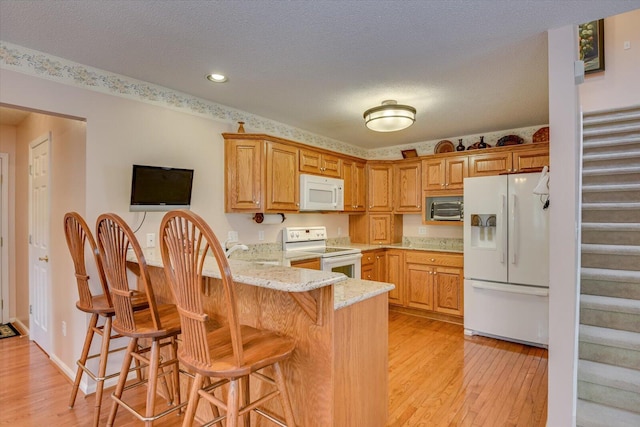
(155, 188)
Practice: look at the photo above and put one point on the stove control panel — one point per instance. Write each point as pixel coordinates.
(303, 234)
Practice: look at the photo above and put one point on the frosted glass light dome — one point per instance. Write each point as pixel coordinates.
(389, 117)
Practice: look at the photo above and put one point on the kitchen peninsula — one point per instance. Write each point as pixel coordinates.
(338, 374)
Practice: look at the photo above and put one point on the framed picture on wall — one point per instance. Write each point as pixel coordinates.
(591, 45)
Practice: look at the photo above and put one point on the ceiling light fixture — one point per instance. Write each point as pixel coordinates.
(216, 78)
(389, 117)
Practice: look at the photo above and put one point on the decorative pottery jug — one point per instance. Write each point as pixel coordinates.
(460, 147)
(482, 144)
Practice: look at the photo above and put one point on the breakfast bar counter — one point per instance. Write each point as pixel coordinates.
(338, 373)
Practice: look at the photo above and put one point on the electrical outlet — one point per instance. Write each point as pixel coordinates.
(260, 235)
(151, 240)
(64, 328)
(232, 236)
(422, 230)
(626, 45)
(339, 231)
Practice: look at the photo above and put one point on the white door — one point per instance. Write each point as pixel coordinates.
(485, 228)
(528, 232)
(4, 236)
(39, 277)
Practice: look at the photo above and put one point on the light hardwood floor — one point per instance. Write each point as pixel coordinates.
(437, 377)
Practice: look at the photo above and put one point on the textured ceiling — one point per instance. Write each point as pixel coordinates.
(467, 66)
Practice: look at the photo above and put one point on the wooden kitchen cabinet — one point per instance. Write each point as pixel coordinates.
(509, 160)
(380, 182)
(408, 187)
(312, 264)
(355, 185)
(444, 175)
(434, 281)
(260, 175)
(395, 264)
(243, 177)
(375, 228)
(373, 265)
(283, 187)
(318, 163)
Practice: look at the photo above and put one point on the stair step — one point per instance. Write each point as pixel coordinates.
(611, 170)
(610, 249)
(610, 227)
(616, 305)
(611, 128)
(608, 312)
(610, 346)
(590, 188)
(626, 113)
(611, 141)
(591, 414)
(610, 155)
(609, 376)
(611, 206)
(610, 283)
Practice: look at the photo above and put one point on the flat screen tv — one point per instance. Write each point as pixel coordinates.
(157, 189)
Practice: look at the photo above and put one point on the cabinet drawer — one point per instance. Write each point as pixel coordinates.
(434, 258)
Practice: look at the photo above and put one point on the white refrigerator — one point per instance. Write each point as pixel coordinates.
(506, 259)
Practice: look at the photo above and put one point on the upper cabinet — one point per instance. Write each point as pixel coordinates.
(355, 185)
(243, 175)
(380, 181)
(525, 157)
(444, 174)
(260, 175)
(283, 186)
(408, 187)
(318, 163)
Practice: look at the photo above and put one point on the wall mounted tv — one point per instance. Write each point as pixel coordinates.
(157, 189)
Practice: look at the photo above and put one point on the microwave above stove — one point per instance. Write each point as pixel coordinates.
(444, 208)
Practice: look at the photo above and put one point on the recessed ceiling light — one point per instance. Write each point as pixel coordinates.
(217, 78)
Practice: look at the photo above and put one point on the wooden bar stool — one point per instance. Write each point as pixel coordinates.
(229, 352)
(159, 323)
(78, 234)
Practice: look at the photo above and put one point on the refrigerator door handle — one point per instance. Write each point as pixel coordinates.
(525, 290)
(513, 245)
(503, 242)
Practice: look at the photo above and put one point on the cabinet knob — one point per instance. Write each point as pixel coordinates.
(297, 204)
(432, 259)
(378, 257)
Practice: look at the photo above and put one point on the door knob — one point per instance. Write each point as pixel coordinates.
(44, 258)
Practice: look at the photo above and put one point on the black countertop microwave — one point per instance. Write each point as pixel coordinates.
(445, 208)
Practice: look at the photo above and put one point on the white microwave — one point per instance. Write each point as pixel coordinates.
(318, 193)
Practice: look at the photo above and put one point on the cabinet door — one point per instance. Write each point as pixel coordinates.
(490, 164)
(354, 177)
(448, 290)
(394, 263)
(283, 187)
(319, 163)
(530, 159)
(380, 229)
(243, 186)
(419, 282)
(380, 187)
(380, 266)
(455, 173)
(433, 174)
(408, 187)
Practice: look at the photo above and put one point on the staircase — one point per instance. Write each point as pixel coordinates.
(609, 336)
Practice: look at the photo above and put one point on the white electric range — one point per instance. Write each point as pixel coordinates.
(313, 241)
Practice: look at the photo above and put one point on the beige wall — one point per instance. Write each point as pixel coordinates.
(619, 85)
(8, 145)
(67, 193)
(119, 133)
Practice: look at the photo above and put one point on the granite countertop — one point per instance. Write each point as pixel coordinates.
(278, 277)
(352, 291)
(405, 245)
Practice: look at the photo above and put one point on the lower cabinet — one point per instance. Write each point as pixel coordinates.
(312, 264)
(427, 281)
(374, 265)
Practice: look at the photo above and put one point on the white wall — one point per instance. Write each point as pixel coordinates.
(619, 85)
(564, 150)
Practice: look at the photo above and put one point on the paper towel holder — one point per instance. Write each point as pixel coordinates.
(260, 217)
